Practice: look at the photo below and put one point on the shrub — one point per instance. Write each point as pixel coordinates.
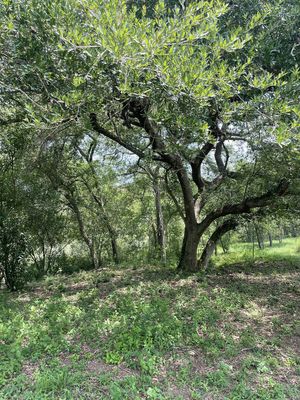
(65, 264)
(13, 252)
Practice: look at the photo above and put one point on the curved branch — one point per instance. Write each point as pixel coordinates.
(246, 205)
(227, 226)
(98, 128)
(196, 164)
(218, 157)
(172, 196)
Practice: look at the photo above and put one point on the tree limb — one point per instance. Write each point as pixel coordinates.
(98, 128)
(172, 196)
(227, 226)
(246, 205)
(196, 164)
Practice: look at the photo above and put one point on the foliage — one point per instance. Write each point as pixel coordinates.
(207, 92)
(151, 333)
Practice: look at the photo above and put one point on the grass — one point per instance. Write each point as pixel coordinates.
(151, 333)
(288, 250)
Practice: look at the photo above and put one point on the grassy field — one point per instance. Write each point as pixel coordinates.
(151, 333)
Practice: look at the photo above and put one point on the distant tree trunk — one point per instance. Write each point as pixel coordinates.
(259, 236)
(88, 157)
(293, 231)
(89, 242)
(153, 235)
(113, 242)
(270, 239)
(160, 226)
(281, 233)
(285, 231)
(223, 246)
(111, 231)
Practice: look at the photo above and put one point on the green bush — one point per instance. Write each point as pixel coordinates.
(13, 252)
(68, 265)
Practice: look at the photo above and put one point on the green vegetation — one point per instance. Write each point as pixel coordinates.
(149, 199)
(150, 333)
(286, 250)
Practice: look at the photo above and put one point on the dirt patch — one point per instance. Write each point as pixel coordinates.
(29, 369)
(118, 372)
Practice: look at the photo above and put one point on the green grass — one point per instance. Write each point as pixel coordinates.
(151, 333)
(288, 250)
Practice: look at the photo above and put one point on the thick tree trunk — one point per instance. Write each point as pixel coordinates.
(188, 257)
(160, 226)
(206, 255)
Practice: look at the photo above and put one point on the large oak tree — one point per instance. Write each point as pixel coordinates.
(180, 88)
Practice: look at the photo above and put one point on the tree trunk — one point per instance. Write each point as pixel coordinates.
(259, 237)
(100, 202)
(281, 234)
(111, 231)
(93, 254)
(160, 226)
(114, 248)
(223, 246)
(188, 257)
(270, 239)
(89, 242)
(293, 231)
(212, 242)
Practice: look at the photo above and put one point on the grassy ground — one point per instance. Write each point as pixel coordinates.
(153, 334)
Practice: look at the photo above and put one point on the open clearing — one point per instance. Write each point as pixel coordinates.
(150, 333)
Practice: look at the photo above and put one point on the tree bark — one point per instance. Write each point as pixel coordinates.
(89, 242)
(212, 242)
(259, 237)
(160, 226)
(223, 246)
(100, 202)
(188, 256)
(270, 239)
